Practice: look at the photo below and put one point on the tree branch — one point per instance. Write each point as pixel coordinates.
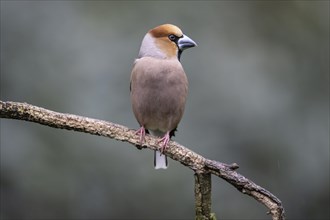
(200, 165)
(203, 196)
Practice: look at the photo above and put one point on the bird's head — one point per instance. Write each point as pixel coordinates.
(165, 42)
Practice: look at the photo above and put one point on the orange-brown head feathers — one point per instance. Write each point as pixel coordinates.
(165, 42)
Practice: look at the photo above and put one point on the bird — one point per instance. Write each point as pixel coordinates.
(159, 86)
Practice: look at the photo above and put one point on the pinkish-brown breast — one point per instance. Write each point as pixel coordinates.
(158, 93)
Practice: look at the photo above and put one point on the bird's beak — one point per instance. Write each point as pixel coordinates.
(185, 42)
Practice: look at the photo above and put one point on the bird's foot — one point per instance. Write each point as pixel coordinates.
(164, 141)
(141, 132)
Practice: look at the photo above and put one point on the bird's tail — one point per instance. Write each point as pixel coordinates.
(160, 160)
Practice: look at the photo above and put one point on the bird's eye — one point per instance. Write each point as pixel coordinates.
(172, 37)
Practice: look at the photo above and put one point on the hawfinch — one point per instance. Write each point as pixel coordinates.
(159, 85)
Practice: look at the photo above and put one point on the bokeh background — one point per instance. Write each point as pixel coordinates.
(259, 96)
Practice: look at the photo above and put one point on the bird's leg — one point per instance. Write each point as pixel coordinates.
(141, 132)
(164, 141)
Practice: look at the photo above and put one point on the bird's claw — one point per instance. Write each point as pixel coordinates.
(141, 132)
(164, 141)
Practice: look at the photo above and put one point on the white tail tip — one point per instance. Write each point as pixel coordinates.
(160, 161)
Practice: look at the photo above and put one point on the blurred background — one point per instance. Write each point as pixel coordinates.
(259, 96)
